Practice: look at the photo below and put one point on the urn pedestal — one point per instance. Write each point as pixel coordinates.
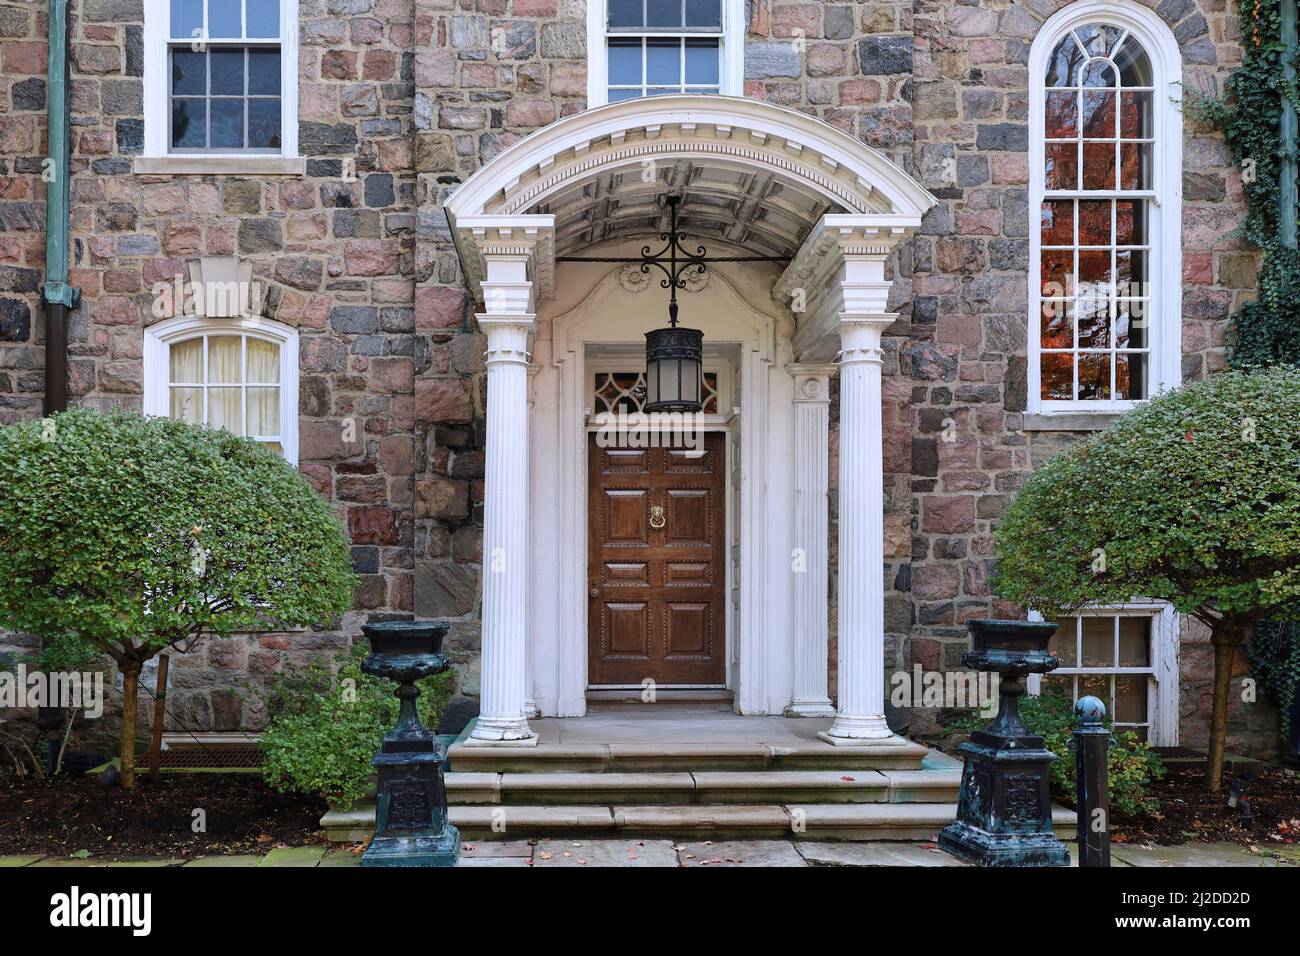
(411, 827)
(1004, 812)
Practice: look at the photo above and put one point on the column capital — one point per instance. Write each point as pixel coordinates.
(841, 273)
(499, 253)
(837, 239)
(811, 382)
(861, 335)
(507, 337)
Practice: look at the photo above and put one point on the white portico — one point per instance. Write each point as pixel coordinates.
(747, 600)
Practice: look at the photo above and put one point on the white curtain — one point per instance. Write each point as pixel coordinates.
(186, 367)
(225, 367)
(230, 358)
(263, 403)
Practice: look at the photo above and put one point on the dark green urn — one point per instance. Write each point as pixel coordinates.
(1004, 813)
(411, 827)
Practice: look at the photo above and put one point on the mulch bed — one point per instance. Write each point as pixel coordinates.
(1189, 814)
(74, 814)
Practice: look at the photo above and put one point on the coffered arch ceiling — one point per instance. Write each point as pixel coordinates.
(756, 176)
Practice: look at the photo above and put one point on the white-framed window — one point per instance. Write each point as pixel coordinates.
(653, 47)
(1105, 260)
(221, 78)
(237, 374)
(1127, 656)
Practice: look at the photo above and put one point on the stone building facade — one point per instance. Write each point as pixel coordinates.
(399, 102)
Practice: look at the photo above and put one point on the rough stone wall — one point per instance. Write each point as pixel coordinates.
(23, 30)
(400, 100)
(965, 352)
(487, 73)
(334, 251)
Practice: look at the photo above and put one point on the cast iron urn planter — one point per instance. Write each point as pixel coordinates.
(411, 827)
(1004, 813)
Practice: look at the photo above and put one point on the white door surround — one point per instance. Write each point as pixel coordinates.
(759, 178)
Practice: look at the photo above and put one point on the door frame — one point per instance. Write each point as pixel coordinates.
(761, 618)
(725, 425)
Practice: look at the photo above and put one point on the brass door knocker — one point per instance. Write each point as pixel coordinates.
(657, 519)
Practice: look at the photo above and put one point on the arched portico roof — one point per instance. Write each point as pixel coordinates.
(752, 174)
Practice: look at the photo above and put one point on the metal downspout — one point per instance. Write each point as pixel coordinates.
(58, 295)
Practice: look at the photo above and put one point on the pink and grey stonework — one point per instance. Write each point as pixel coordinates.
(399, 101)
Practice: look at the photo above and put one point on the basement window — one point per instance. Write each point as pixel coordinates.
(1127, 657)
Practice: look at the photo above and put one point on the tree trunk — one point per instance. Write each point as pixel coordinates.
(1225, 639)
(130, 687)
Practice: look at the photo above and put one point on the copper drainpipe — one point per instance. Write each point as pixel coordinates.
(59, 297)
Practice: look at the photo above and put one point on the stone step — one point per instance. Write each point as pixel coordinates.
(854, 822)
(682, 757)
(631, 700)
(704, 787)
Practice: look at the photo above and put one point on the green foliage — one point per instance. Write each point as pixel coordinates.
(132, 534)
(1132, 765)
(327, 726)
(1250, 117)
(1192, 498)
(1275, 662)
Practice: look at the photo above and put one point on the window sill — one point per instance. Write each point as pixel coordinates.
(1069, 421)
(251, 165)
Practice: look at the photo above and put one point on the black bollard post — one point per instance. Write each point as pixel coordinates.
(1091, 744)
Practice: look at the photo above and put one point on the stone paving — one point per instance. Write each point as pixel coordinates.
(667, 853)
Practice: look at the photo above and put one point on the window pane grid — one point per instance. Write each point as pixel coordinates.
(654, 16)
(1094, 299)
(237, 107)
(655, 47)
(225, 65)
(1127, 691)
(204, 398)
(1094, 294)
(198, 20)
(650, 66)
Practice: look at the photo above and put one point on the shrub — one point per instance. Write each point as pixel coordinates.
(325, 727)
(1192, 498)
(1132, 765)
(130, 535)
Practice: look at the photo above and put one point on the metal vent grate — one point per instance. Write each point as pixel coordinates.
(210, 758)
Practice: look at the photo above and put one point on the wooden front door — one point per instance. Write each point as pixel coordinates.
(655, 551)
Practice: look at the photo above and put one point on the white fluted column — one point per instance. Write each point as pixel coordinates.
(861, 633)
(811, 529)
(508, 323)
(862, 320)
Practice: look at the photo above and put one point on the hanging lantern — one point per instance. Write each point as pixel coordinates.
(673, 365)
(674, 357)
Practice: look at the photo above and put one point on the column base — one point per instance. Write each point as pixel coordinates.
(857, 730)
(811, 707)
(501, 733)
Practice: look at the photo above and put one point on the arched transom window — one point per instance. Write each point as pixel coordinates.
(1104, 314)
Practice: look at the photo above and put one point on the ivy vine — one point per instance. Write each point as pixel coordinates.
(1275, 663)
(1267, 330)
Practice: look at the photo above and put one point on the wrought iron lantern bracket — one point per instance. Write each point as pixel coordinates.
(674, 260)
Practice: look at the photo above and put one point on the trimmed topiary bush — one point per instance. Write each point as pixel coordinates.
(133, 534)
(1192, 498)
(325, 727)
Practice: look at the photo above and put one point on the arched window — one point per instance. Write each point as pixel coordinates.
(236, 374)
(1105, 177)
